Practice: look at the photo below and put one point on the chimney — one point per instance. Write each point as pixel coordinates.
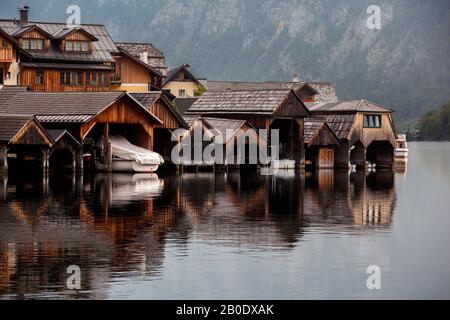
(23, 15)
(296, 78)
(144, 57)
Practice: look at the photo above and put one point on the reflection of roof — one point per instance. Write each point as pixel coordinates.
(243, 102)
(346, 106)
(101, 49)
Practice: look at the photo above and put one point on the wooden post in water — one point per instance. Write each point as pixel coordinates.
(107, 149)
(3, 159)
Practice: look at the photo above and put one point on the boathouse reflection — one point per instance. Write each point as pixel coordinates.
(121, 225)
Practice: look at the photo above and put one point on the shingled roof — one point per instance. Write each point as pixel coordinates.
(148, 99)
(222, 125)
(182, 68)
(346, 107)
(313, 127)
(11, 124)
(325, 90)
(242, 102)
(63, 106)
(102, 48)
(156, 58)
(183, 104)
(341, 124)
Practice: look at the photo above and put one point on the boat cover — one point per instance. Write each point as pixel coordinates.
(123, 149)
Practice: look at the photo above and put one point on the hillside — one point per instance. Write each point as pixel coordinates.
(404, 65)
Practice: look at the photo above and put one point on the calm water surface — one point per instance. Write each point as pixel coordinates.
(206, 236)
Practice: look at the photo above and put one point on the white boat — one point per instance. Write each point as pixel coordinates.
(401, 152)
(127, 157)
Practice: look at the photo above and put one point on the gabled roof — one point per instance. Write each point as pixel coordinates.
(243, 102)
(63, 33)
(325, 91)
(77, 107)
(12, 124)
(8, 92)
(155, 56)
(101, 49)
(341, 124)
(138, 61)
(176, 70)
(183, 104)
(148, 99)
(16, 44)
(222, 125)
(313, 128)
(28, 28)
(353, 106)
(57, 135)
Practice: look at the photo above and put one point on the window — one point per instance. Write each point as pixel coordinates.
(182, 93)
(71, 78)
(96, 78)
(77, 46)
(372, 121)
(4, 43)
(33, 44)
(39, 78)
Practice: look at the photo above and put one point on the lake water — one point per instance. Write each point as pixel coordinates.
(235, 236)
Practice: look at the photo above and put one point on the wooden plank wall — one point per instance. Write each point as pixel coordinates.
(133, 72)
(52, 82)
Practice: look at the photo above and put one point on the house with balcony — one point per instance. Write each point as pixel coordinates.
(55, 57)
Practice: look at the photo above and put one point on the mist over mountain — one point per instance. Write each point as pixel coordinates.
(405, 65)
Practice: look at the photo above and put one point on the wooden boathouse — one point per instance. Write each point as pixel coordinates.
(230, 132)
(365, 129)
(264, 109)
(320, 144)
(89, 118)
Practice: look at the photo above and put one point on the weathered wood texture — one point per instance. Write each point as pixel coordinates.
(122, 112)
(52, 82)
(368, 135)
(31, 134)
(132, 72)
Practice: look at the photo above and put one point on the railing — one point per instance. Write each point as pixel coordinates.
(115, 77)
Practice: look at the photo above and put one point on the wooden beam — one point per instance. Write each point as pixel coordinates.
(3, 159)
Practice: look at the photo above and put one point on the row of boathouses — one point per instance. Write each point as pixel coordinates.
(71, 97)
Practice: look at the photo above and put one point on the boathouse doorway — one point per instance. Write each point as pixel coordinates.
(380, 153)
(358, 155)
(62, 160)
(290, 147)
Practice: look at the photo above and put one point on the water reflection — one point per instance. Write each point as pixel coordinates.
(116, 226)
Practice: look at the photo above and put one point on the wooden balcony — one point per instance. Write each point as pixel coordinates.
(115, 78)
(6, 55)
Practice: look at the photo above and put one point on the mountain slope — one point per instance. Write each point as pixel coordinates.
(404, 65)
